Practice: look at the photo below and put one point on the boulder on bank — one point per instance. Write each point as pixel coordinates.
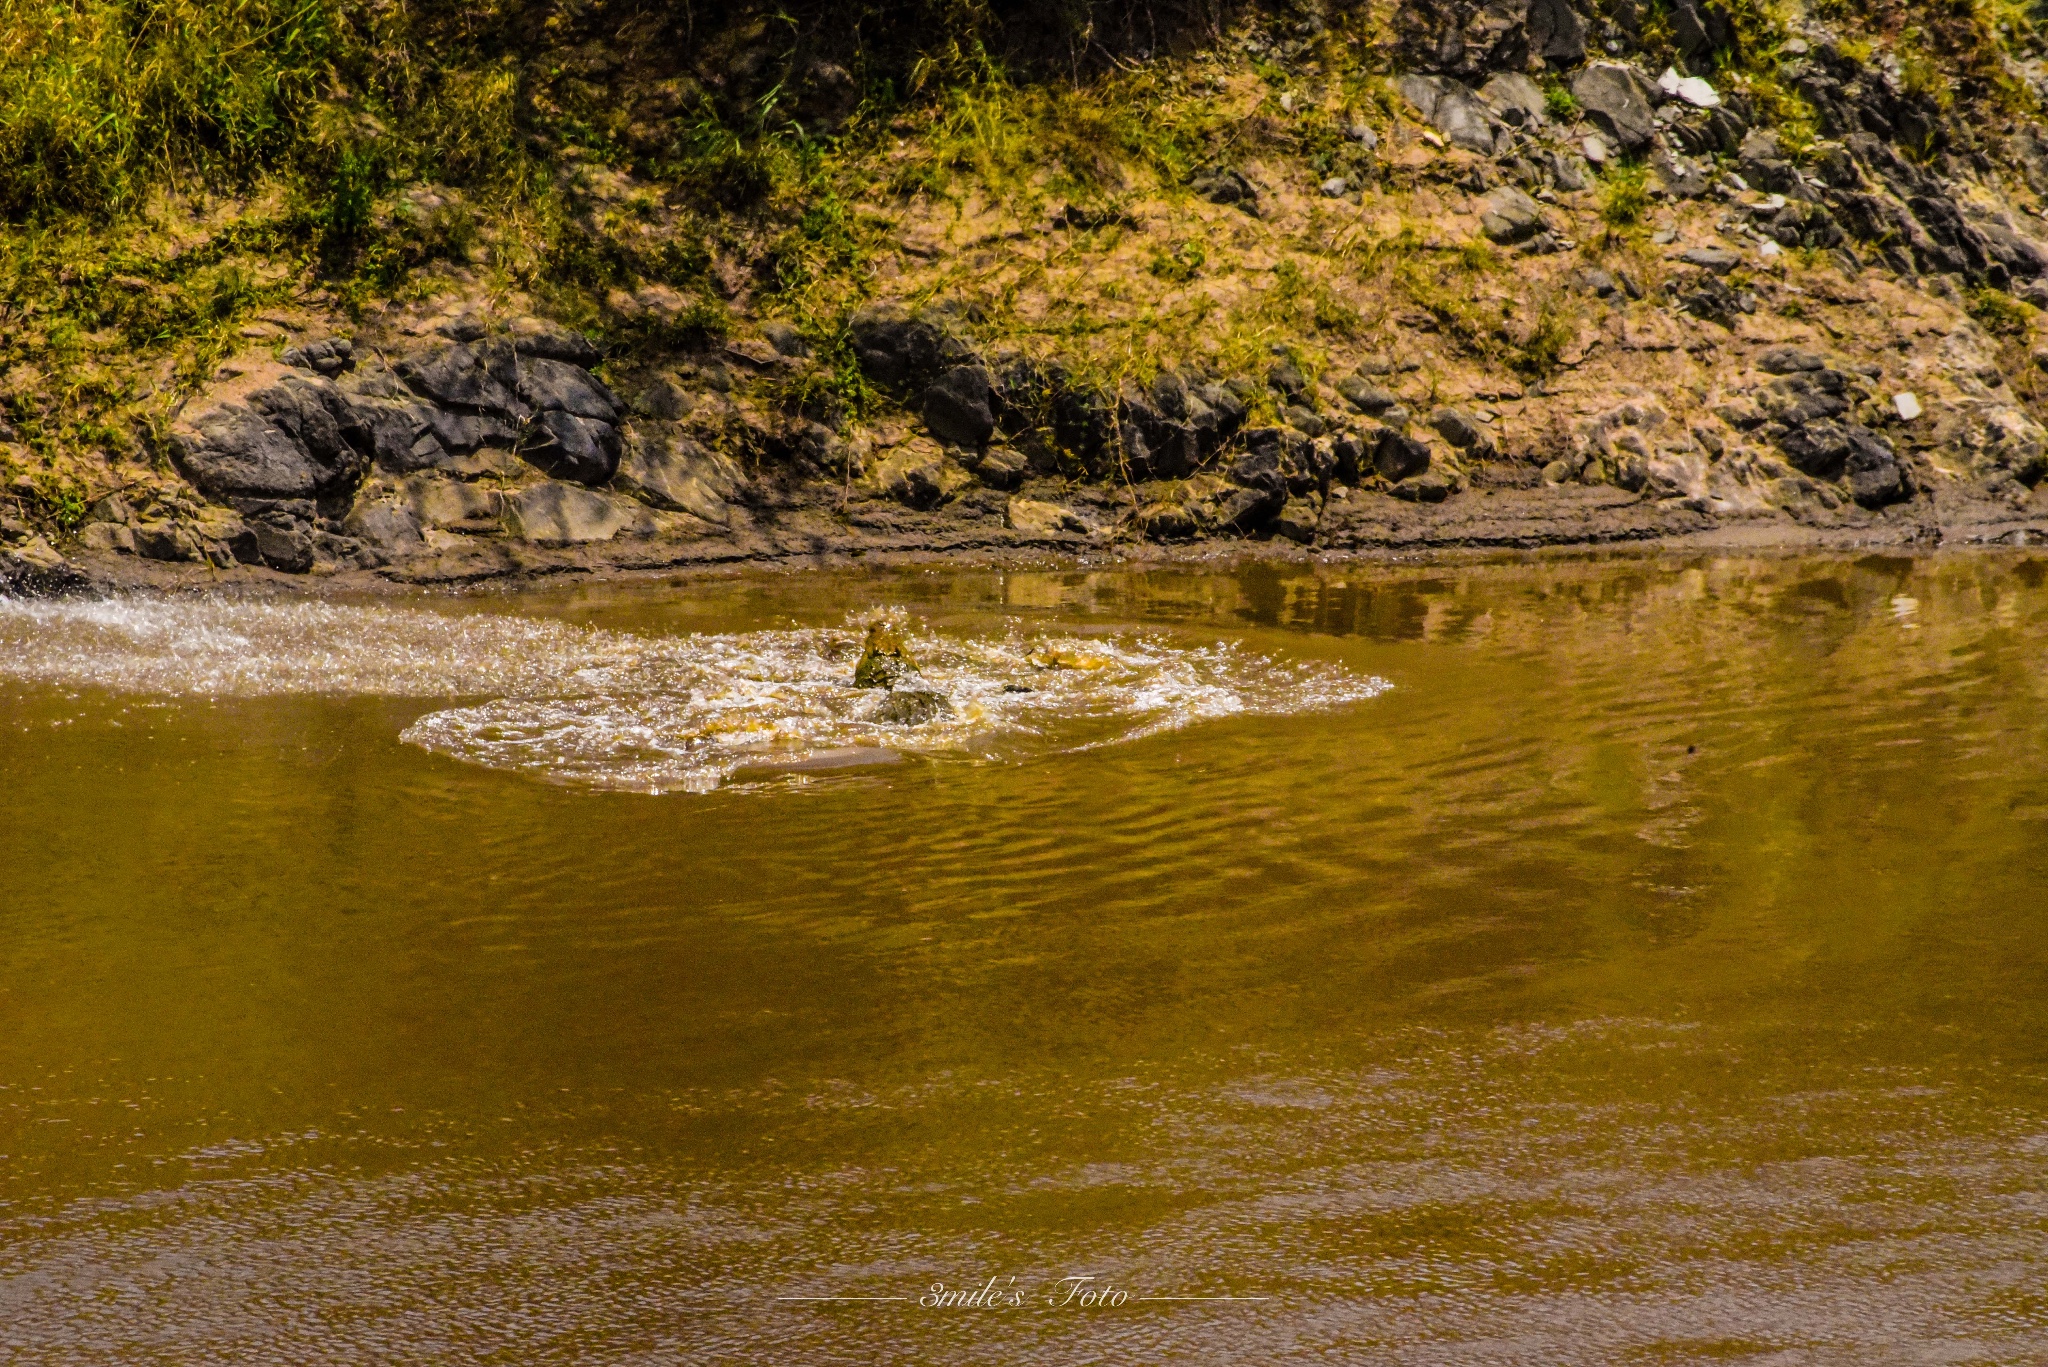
(565, 446)
(899, 350)
(290, 431)
(1041, 521)
(918, 475)
(556, 513)
(958, 407)
(1621, 100)
(282, 434)
(1453, 110)
(681, 476)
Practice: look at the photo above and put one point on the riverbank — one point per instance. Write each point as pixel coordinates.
(1312, 288)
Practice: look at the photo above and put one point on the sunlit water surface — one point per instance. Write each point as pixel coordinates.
(1634, 960)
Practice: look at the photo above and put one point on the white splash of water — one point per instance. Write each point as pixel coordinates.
(660, 713)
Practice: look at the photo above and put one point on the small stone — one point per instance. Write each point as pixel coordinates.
(1715, 259)
(1795, 47)
(1303, 420)
(1002, 467)
(1907, 404)
(1296, 521)
(1166, 520)
(108, 536)
(1335, 187)
(1363, 135)
(1041, 521)
(1458, 427)
(1510, 216)
(1557, 472)
(1788, 360)
(1595, 148)
(1367, 398)
(1698, 93)
(1664, 237)
(785, 339)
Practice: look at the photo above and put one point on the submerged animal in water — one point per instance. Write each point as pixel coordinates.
(884, 660)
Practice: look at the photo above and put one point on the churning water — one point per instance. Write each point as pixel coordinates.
(615, 709)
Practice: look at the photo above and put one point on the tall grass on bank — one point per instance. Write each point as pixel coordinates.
(99, 100)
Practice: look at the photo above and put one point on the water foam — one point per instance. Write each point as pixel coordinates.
(611, 709)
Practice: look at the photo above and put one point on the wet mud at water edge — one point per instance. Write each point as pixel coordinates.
(1610, 960)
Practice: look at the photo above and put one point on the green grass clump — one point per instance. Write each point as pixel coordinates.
(1178, 262)
(1998, 313)
(1559, 102)
(1624, 195)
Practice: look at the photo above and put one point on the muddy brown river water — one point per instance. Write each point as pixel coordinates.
(1585, 961)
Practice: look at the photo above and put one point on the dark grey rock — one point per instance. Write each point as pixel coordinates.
(165, 541)
(1166, 520)
(1304, 420)
(1819, 448)
(1457, 427)
(1350, 458)
(1296, 521)
(958, 407)
(1620, 99)
(1002, 467)
(481, 378)
(571, 448)
(1515, 98)
(1226, 185)
(464, 432)
(298, 438)
(1556, 33)
(1875, 476)
(390, 529)
(1259, 466)
(897, 350)
(1716, 259)
(538, 337)
(786, 340)
(330, 356)
(548, 386)
(1430, 486)
(1789, 360)
(1510, 216)
(1366, 398)
(1397, 456)
(1226, 404)
(1249, 509)
(1453, 110)
(400, 434)
(1286, 378)
(283, 548)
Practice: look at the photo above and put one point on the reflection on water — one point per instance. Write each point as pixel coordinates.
(1653, 972)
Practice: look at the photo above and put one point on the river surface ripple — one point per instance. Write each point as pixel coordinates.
(1588, 961)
